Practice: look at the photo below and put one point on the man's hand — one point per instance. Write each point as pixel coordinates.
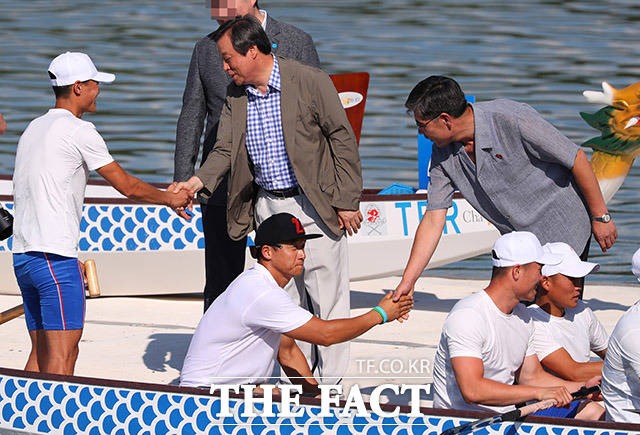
(559, 394)
(605, 234)
(393, 309)
(3, 125)
(84, 274)
(180, 200)
(592, 383)
(403, 290)
(186, 188)
(349, 220)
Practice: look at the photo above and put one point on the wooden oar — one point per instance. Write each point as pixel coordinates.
(92, 283)
(516, 413)
(11, 313)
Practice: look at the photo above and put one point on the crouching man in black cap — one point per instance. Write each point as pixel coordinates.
(255, 321)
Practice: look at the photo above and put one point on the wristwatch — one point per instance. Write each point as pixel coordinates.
(605, 218)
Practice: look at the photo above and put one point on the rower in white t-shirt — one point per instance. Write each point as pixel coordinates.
(55, 155)
(566, 330)
(621, 371)
(254, 321)
(486, 343)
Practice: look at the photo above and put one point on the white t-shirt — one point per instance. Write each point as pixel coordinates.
(579, 332)
(237, 339)
(55, 155)
(621, 371)
(475, 327)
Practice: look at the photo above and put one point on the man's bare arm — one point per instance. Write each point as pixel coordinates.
(295, 365)
(561, 363)
(475, 388)
(604, 233)
(532, 373)
(328, 332)
(424, 245)
(138, 190)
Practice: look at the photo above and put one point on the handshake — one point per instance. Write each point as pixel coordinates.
(180, 196)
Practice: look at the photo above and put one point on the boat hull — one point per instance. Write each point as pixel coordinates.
(142, 249)
(67, 404)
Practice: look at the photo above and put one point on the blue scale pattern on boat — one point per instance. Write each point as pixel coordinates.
(113, 228)
(134, 427)
(10, 388)
(85, 396)
(108, 425)
(43, 426)
(18, 423)
(36, 405)
(107, 245)
(31, 414)
(142, 235)
(161, 428)
(56, 419)
(105, 224)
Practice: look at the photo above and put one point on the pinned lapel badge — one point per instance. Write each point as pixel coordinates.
(499, 156)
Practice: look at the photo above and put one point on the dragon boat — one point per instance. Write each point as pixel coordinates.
(33, 402)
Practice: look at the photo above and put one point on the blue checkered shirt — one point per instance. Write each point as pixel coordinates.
(265, 140)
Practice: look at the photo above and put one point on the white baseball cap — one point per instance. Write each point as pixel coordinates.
(635, 264)
(520, 247)
(570, 265)
(68, 68)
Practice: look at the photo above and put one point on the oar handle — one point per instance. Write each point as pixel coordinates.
(544, 404)
(516, 413)
(11, 313)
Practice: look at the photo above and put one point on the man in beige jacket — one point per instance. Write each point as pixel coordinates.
(287, 145)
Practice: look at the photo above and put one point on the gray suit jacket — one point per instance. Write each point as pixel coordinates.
(318, 138)
(206, 89)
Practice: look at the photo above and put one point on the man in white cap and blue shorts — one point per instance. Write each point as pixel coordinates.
(621, 371)
(55, 155)
(486, 343)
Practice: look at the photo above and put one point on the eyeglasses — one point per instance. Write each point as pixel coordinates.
(423, 125)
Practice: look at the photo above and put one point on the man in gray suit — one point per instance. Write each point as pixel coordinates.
(287, 145)
(204, 95)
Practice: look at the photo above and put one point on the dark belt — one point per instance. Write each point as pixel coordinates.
(285, 193)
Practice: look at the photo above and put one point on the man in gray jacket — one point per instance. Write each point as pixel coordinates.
(204, 95)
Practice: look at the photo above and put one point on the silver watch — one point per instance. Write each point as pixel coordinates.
(605, 218)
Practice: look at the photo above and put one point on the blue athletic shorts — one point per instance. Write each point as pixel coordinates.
(52, 289)
(554, 411)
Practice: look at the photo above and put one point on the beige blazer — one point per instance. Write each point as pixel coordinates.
(318, 138)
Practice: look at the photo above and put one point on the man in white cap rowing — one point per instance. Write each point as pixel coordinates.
(55, 155)
(486, 340)
(566, 330)
(621, 371)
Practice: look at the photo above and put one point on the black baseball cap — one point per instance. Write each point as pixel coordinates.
(279, 228)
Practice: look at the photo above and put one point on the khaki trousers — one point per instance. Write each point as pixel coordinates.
(323, 286)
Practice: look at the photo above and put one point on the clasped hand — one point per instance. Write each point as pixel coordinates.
(190, 186)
